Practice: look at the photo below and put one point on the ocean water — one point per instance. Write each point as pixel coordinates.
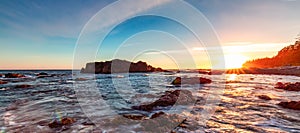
(99, 102)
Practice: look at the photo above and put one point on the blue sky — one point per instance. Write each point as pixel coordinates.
(40, 34)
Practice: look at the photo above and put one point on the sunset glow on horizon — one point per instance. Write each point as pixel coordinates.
(43, 35)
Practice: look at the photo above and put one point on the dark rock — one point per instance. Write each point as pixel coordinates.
(134, 116)
(290, 105)
(208, 72)
(14, 75)
(88, 123)
(196, 80)
(251, 78)
(264, 97)
(3, 82)
(1, 75)
(80, 79)
(63, 122)
(157, 115)
(118, 66)
(288, 86)
(180, 97)
(42, 74)
(23, 86)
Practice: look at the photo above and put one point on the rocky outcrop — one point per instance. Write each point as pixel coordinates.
(195, 80)
(119, 66)
(288, 86)
(14, 75)
(288, 56)
(290, 105)
(63, 122)
(180, 97)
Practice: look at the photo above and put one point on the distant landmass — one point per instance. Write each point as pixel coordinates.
(119, 66)
(288, 56)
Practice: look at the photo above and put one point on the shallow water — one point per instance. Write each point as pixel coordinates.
(98, 103)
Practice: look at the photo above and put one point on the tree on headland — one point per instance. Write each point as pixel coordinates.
(288, 56)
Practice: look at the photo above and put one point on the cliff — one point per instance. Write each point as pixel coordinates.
(288, 56)
(118, 66)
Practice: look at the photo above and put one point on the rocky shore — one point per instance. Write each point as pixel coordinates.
(295, 71)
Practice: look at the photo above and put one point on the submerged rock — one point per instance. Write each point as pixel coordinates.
(168, 99)
(23, 86)
(196, 80)
(42, 74)
(155, 115)
(3, 82)
(134, 116)
(80, 79)
(264, 97)
(290, 105)
(14, 75)
(63, 122)
(288, 86)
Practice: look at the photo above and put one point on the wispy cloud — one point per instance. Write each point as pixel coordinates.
(120, 11)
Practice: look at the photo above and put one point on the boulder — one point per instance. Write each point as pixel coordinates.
(63, 122)
(195, 80)
(288, 86)
(290, 105)
(180, 97)
(14, 75)
(3, 82)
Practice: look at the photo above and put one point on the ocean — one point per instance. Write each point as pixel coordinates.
(103, 103)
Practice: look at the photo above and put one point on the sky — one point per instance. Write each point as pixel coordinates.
(41, 34)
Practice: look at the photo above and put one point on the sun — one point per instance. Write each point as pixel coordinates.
(233, 61)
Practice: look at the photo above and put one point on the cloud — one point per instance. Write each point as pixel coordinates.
(119, 11)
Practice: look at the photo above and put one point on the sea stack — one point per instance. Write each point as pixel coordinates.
(119, 66)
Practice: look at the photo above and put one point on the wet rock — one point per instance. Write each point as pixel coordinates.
(42, 74)
(157, 115)
(180, 97)
(88, 123)
(14, 75)
(63, 122)
(290, 105)
(23, 86)
(264, 97)
(80, 79)
(1, 75)
(288, 86)
(196, 80)
(251, 78)
(3, 82)
(134, 116)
